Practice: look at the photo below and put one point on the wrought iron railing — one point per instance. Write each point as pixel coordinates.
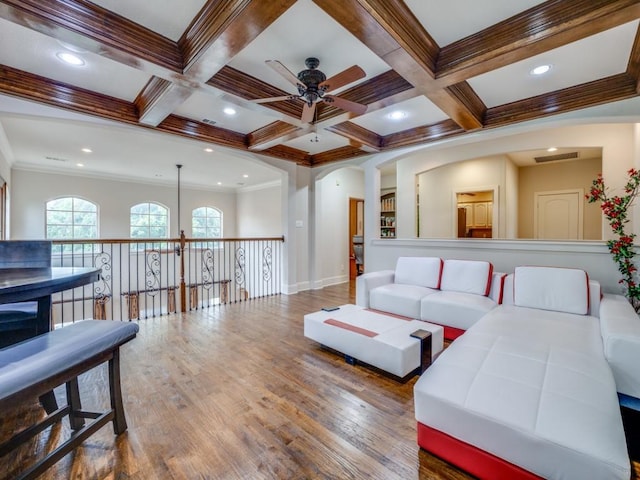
(152, 277)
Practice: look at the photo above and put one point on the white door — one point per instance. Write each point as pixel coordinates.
(558, 215)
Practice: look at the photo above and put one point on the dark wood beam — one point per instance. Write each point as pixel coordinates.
(633, 67)
(606, 90)
(158, 99)
(271, 134)
(221, 30)
(358, 134)
(389, 29)
(96, 29)
(337, 154)
(288, 153)
(29, 86)
(185, 127)
(424, 134)
(544, 27)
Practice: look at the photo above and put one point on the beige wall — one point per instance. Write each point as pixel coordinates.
(558, 176)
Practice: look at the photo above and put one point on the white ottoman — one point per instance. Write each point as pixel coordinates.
(378, 339)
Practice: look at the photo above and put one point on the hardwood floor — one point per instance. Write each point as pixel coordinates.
(237, 392)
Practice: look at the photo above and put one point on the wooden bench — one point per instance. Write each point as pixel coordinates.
(35, 366)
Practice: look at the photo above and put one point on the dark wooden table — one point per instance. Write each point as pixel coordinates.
(28, 284)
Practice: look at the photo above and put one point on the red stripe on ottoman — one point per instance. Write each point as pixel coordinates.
(352, 328)
(399, 317)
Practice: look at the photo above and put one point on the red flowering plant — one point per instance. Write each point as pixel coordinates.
(616, 208)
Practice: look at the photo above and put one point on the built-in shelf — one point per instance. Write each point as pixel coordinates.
(388, 215)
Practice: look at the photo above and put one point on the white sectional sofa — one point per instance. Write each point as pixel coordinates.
(451, 293)
(527, 392)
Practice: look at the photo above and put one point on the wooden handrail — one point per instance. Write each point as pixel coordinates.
(163, 240)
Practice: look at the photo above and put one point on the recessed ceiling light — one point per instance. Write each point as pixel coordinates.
(87, 150)
(208, 150)
(79, 164)
(540, 70)
(245, 176)
(397, 115)
(552, 149)
(70, 59)
(219, 183)
(229, 111)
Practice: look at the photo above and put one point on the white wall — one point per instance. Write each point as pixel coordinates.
(31, 190)
(259, 212)
(333, 192)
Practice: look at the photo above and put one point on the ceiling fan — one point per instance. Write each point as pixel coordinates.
(313, 85)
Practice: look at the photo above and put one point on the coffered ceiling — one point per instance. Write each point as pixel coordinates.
(165, 71)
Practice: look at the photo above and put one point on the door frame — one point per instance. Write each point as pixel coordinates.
(353, 229)
(494, 211)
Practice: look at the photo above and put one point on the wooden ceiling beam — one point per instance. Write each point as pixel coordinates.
(272, 134)
(633, 67)
(99, 31)
(359, 134)
(424, 134)
(544, 27)
(221, 30)
(389, 29)
(18, 83)
(606, 90)
(158, 99)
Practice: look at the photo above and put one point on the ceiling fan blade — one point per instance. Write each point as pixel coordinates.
(307, 112)
(348, 105)
(275, 99)
(284, 71)
(345, 77)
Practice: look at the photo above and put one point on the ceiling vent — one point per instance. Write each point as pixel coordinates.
(559, 156)
(208, 122)
(56, 159)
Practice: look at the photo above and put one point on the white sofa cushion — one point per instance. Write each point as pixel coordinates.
(551, 288)
(620, 329)
(468, 276)
(399, 299)
(421, 271)
(532, 387)
(454, 309)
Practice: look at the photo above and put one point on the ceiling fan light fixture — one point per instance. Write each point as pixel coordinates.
(540, 70)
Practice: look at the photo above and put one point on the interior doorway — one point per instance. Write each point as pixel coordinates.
(356, 237)
(474, 214)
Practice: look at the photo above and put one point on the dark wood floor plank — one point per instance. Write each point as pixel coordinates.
(238, 392)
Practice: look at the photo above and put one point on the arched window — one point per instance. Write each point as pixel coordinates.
(206, 222)
(71, 218)
(149, 220)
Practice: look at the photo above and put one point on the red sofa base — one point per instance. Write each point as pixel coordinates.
(469, 458)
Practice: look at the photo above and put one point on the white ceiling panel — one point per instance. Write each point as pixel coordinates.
(592, 58)
(305, 31)
(452, 20)
(205, 106)
(34, 52)
(415, 112)
(169, 18)
(313, 143)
